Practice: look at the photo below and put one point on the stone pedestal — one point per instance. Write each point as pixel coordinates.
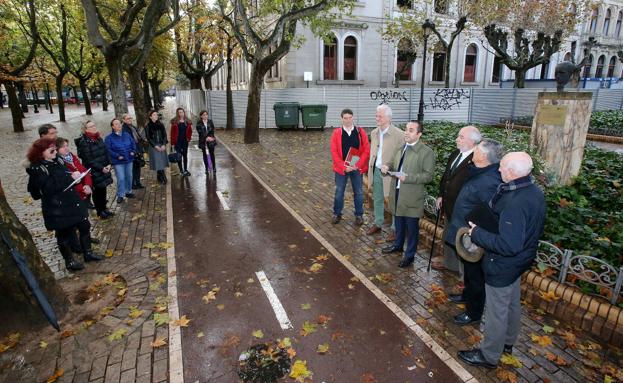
(559, 132)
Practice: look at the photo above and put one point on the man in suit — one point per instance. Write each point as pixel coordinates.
(452, 180)
(385, 141)
(520, 205)
(416, 164)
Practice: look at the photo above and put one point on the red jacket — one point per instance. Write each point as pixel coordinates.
(174, 131)
(336, 151)
(77, 166)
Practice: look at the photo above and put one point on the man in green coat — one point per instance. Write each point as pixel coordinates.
(411, 169)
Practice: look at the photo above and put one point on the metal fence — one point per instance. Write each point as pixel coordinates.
(484, 106)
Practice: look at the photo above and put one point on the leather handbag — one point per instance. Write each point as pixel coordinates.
(175, 157)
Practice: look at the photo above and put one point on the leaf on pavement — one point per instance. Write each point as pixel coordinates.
(323, 257)
(300, 372)
(323, 320)
(135, 312)
(368, 378)
(165, 245)
(548, 329)
(259, 334)
(322, 348)
(159, 342)
(150, 245)
(511, 360)
(161, 319)
(250, 280)
(316, 267)
(182, 322)
(220, 307)
(308, 328)
(237, 294)
(210, 296)
(473, 339)
(384, 277)
(541, 340)
(108, 253)
(506, 376)
(117, 334)
(305, 306)
(43, 344)
(549, 296)
(569, 337)
(57, 374)
(556, 359)
(200, 334)
(292, 246)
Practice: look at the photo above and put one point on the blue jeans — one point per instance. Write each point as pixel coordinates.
(356, 180)
(407, 228)
(124, 178)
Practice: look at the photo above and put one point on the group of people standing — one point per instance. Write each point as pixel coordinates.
(69, 184)
(488, 198)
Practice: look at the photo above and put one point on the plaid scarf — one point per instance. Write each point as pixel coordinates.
(515, 184)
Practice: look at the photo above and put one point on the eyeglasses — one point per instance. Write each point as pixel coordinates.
(52, 150)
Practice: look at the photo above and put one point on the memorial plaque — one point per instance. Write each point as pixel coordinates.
(552, 115)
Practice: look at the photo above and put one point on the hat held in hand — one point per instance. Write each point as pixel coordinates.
(465, 248)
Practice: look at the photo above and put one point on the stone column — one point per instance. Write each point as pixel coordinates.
(559, 131)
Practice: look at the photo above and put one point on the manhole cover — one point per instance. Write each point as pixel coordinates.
(264, 362)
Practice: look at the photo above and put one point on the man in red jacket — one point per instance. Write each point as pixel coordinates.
(350, 151)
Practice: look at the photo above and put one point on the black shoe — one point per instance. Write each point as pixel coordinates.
(130, 195)
(391, 249)
(508, 349)
(74, 265)
(104, 214)
(188, 173)
(358, 220)
(456, 298)
(138, 186)
(464, 319)
(336, 219)
(119, 199)
(109, 213)
(91, 256)
(95, 240)
(406, 262)
(475, 358)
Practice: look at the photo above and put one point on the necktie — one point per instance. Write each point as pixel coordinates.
(456, 163)
(402, 158)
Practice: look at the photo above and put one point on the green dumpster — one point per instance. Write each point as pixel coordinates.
(286, 114)
(314, 115)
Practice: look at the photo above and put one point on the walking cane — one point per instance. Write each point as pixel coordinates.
(432, 246)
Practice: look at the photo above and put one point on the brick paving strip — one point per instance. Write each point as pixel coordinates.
(297, 167)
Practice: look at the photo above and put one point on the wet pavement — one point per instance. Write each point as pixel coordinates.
(219, 253)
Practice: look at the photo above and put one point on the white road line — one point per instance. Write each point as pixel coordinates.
(280, 312)
(222, 199)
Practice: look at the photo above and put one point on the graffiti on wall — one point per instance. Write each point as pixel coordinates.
(389, 95)
(448, 99)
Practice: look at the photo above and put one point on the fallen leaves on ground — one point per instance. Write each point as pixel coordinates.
(322, 348)
(438, 296)
(322, 257)
(549, 296)
(159, 342)
(315, 267)
(137, 216)
(541, 340)
(182, 322)
(238, 294)
(308, 328)
(300, 372)
(200, 334)
(161, 319)
(511, 360)
(384, 277)
(548, 329)
(43, 344)
(259, 334)
(210, 296)
(117, 334)
(569, 338)
(135, 312)
(220, 307)
(556, 359)
(57, 374)
(473, 339)
(67, 333)
(368, 378)
(10, 342)
(405, 349)
(108, 253)
(305, 306)
(323, 320)
(506, 375)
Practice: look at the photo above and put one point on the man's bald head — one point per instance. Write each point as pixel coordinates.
(515, 165)
(469, 136)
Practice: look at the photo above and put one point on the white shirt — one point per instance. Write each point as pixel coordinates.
(348, 131)
(404, 150)
(462, 156)
(379, 153)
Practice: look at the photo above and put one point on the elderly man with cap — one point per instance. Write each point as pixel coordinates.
(482, 182)
(520, 206)
(452, 180)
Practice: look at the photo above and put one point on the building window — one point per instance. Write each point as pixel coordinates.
(594, 17)
(587, 68)
(404, 4)
(330, 59)
(574, 47)
(439, 64)
(405, 57)
(496, 73)
(599, 71)
(613, 62)
(274, 70)
(544, 71)
(441, 6)
(617, 27)
(607, 22)
(471, 55)
(350, 58)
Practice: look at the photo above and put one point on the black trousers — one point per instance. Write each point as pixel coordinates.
(136, 173)
(67, 236)
(474, 292)
(99, 199)
(183, 164)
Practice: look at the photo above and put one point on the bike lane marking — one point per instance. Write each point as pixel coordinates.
(280, 312)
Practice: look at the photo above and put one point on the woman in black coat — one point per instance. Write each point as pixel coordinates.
(205, 129)
(63, 210)
(156, 135)
(94, 155)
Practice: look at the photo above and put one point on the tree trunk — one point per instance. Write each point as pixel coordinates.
(59, 97)
(520, 78)
(47, 95)
(228, 92)
(195, 81)
(104, 93)
(16, 110)
(207, 81)
(145, 83)
(134, 78)
(117, 85)
(155, 91)
(22, 98)
(19, 310)
(447, 65)
(252, 120)
(85, 96)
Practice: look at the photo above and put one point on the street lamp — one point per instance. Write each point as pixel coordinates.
(427, 26)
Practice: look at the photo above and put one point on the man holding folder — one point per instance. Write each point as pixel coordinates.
(350, 152)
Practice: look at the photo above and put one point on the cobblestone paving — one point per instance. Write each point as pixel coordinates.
(88, 355)
(297, 165)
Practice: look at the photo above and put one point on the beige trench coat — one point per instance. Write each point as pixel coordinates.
(392, 142)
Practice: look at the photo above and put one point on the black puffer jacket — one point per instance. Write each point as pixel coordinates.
(156, 134)
(204, 131)
(94, 155)
(61, 209)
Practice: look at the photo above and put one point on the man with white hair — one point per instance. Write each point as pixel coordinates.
(455, 174)
(520, 207)
(385, 141)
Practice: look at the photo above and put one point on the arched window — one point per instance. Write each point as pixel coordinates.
(439, 64)
(441, 6)
(567, 57)
(613, 62)
(496, 71)
(350, 58)
(594, 17)
(607, 22)
(599, 71)
(587, 68)
(330, 59)
(471, 56)
(617, 27)
(405, 56)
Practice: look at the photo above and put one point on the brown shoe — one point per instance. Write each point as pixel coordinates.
(373, 230)
(391, 237)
